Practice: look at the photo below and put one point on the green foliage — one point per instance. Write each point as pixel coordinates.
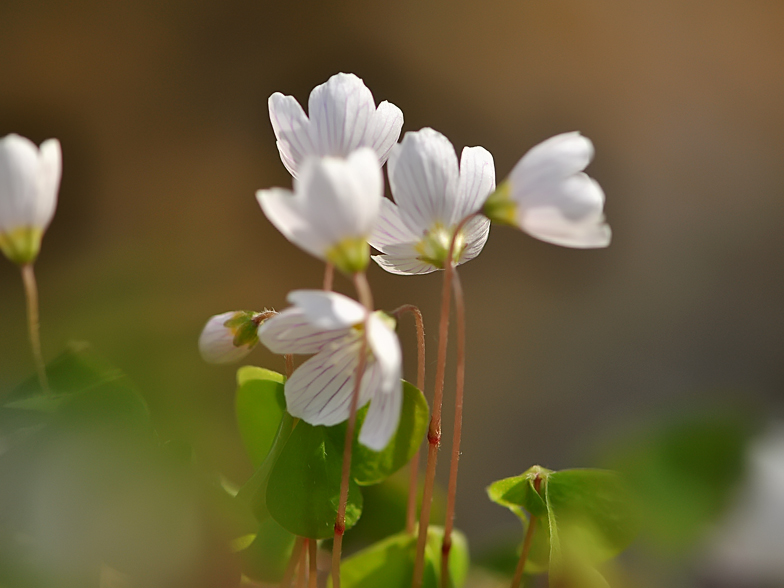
(390, 563)
(683, 472)
(304, 484)
(267, 552)
(259, 405)
(582, 517)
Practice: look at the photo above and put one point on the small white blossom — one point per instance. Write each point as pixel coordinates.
(319, 392)
(29, 181)
(431, 198)
(228, 337)
(333, 208)
(549, 197)
(343, 117)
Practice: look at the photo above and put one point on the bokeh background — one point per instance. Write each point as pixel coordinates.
(161, 109)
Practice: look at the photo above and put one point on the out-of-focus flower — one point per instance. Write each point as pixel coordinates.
(333, 208)
(230, 336)
(29, 180)
(431, 198)
(319, 392)
(343, 117)
(548, 196)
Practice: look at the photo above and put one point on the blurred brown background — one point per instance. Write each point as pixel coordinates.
(161, 108)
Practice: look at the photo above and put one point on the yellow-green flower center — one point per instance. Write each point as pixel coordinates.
(434, 248)
(499, 206)
(21, 245)
(351, 255)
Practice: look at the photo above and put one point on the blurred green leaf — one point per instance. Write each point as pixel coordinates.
(259, 404)
(390, 563)
(265, 558)
(683, 472)
(304, 484)
(371, 467)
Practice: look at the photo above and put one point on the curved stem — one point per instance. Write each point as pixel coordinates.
(329, 276)
(366, 298)
(31, 293)
(414, 465)
(288, 575)
(459, 387)
(289, 364)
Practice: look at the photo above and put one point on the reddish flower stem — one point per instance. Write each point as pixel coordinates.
(33, 324)
(366, 298)
(329, 275)
(312, 564)
(414, 465)
(288, 575)
(446, 546)
(302, 564)
(529, 535)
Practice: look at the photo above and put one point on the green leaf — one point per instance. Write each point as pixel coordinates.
(370, 467)
(259, 404)
(304, 485)
(390, 563)
(265, 558)
(518, 493)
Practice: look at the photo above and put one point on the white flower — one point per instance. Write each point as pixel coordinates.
(29, 180)
(319, 392)
(343, 117)
(230, 336)
(333, 208)
(549, 197)
(432, 197)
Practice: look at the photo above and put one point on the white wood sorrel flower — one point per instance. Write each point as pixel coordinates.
(333, 208)
(431, 198)
(548, 196)
(319, 392)
(29, 180)
(343, 117)
(230, 336)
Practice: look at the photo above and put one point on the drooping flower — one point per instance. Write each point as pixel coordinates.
(342, 118)
(29, 181)
(230, 336)
(549, 197)
(319, 391)
(333, 208)
(431, 198)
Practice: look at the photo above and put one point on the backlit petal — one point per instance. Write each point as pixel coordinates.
(328, 310)
(292, 331)
(476, 232)
(477, 181)
(390, 230)
(382, 420)
(384, 130)
(283, 210)
(19, 182)
(292, 130)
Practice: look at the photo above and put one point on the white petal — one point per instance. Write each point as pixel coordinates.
(340, 112)
(477, 181)
(423, 176)
(385, 347)
(292, 130)
(341, 197)
(216, 342)
(319, 391)
(50, 170)
(382, 419)
(390, 229)
(403, 261)
(328, 310)
(557, 157)
(282, 209)
(384, 129)
(548, 224)
(476, 232)
(19, 183)
(292, 331)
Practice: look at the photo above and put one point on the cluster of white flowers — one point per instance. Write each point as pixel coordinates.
(337, 211)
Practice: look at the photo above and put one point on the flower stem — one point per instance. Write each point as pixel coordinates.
(459, 387)
(289, 364)
(303, 563)
(529, 535)
(366, 298)
(288, 575)
(414, 465)
(31, 293)
(329, 275)
(312, 564)
(434, 431)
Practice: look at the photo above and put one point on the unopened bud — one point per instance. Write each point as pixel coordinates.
(230, 336)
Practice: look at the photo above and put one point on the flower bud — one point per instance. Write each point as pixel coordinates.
(230, 336)
(29, 181)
